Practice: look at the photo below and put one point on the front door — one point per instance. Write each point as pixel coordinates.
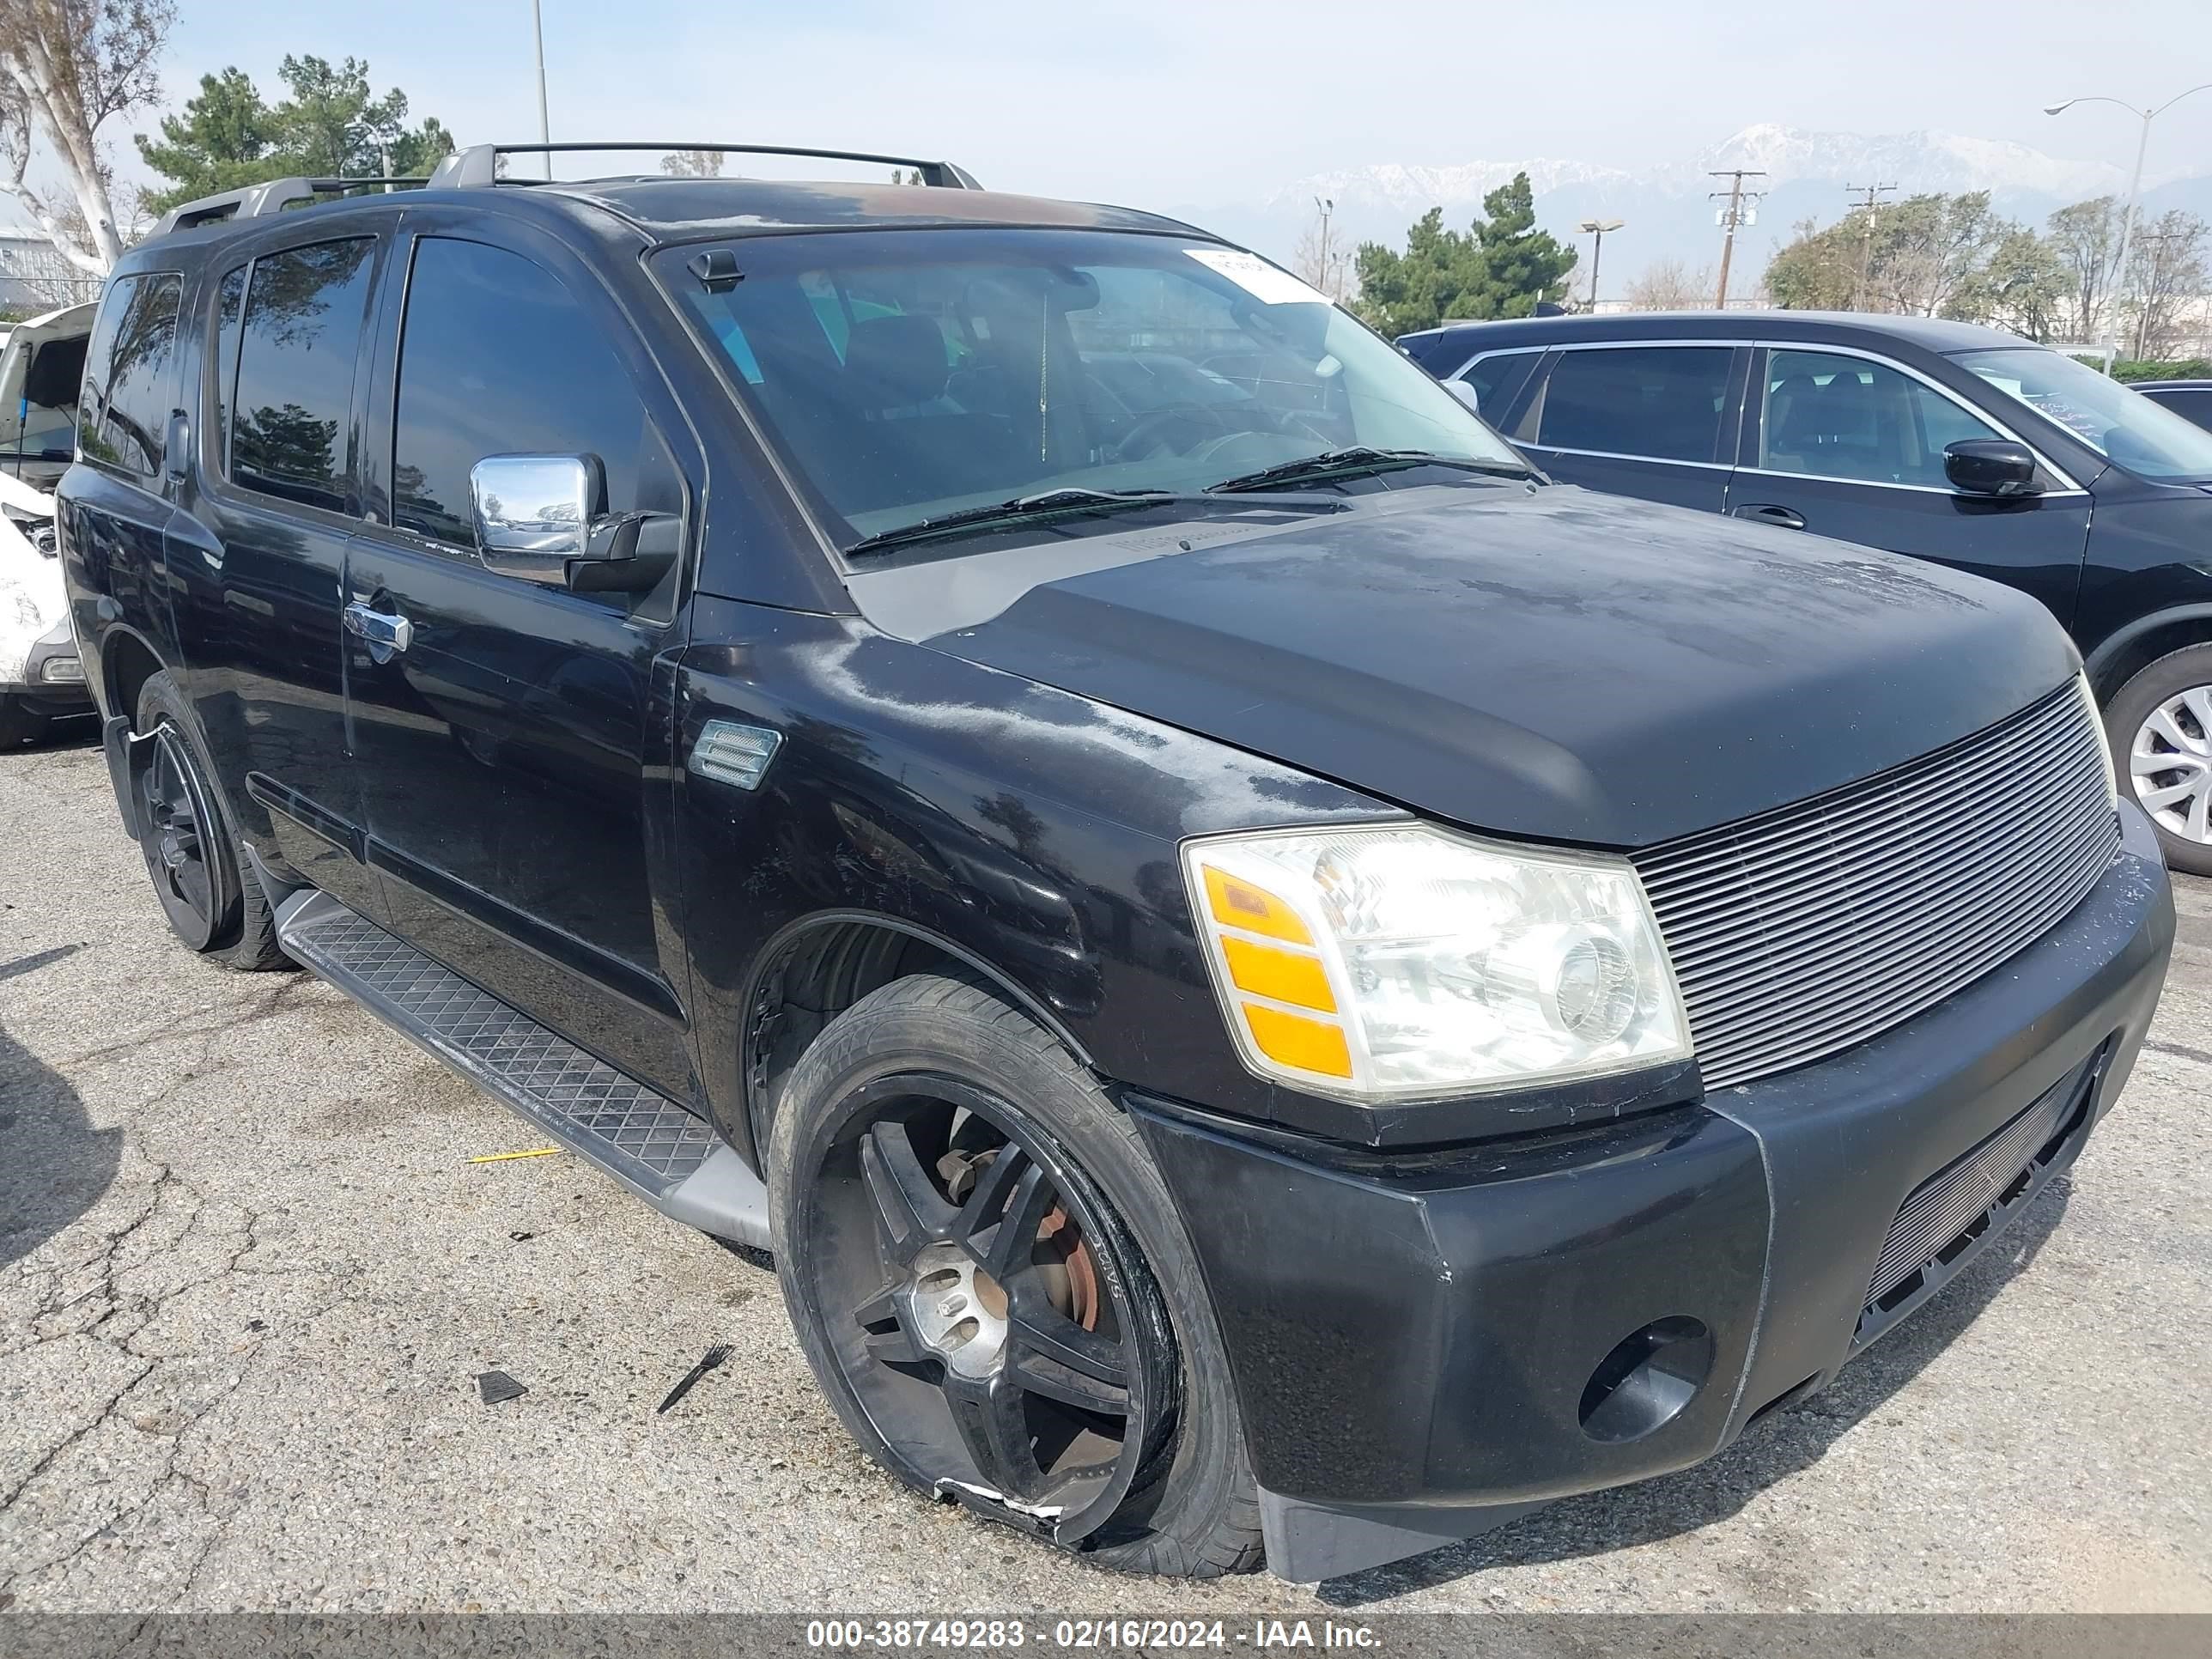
(1650, 420)
(513, 738)
(1851, 447)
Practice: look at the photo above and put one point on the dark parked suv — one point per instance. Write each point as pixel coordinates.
(1939, 439)
(1272, 981)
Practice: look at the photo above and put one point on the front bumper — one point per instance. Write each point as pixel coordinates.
(1424, 1348)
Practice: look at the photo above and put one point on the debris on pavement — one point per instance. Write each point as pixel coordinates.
(503, 1157)
(498, 1386)
(713, 1358)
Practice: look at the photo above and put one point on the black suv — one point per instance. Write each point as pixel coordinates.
(1939, 439)
(1270, 979)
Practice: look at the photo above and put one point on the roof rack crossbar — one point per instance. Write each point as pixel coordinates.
(478, 164)
(273, 196)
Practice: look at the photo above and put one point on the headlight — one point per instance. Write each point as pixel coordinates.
(2104, 743)
(1393, 961)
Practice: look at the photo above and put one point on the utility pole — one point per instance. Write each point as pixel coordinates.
(1872, 204)
(1327, 205)
(1737, 212)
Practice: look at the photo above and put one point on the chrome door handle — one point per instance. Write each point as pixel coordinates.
(388, 633)
(1786, 518)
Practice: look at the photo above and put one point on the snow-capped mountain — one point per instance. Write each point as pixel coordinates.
(1923, 160)
(1666, 206)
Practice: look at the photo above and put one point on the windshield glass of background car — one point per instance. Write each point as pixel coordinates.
(910, 373)
(2118, 422)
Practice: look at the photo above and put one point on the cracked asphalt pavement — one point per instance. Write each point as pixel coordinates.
(248, 1277)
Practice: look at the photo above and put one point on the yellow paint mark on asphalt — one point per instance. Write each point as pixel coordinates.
(502, 1157)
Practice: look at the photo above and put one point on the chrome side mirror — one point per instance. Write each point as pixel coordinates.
(532, 514)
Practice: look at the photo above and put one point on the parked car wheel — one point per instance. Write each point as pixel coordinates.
(995, 1290)
(214, 903)
(2161, 726)
(19, 724)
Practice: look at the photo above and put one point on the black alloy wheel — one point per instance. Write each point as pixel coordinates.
(178, 838)
(987, 1309)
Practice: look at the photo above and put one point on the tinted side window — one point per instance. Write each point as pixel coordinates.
(2197, 406)
(1496, 377)
(1833, 416)
(137, 400)
(1661, 402)
(304, 310)
(497, 357)
(230, 303)
(100, 352)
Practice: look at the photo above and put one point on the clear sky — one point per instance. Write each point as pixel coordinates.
(1165, 101)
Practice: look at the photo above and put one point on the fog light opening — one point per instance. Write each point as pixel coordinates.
(1645, 1382)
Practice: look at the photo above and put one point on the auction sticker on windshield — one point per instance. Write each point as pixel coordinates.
(1269, 286)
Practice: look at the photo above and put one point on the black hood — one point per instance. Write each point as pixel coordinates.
(1543, 662)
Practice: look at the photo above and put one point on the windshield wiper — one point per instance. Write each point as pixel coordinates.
(1357, 459)
(1045, 505)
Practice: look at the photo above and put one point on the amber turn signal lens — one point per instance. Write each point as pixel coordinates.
(1238, 903)
(1302, 1044)
(1285, 976)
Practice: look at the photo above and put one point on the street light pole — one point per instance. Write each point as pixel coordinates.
(1596, 229)
(1327, 205)
(545, 127)
(2135, 194)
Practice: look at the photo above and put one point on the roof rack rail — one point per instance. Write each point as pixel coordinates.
(478, 164)
(273, 196)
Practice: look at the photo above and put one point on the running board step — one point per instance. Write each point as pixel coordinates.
(663, 1153)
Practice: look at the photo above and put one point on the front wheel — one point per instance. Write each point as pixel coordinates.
(995, 1290)
(2160, 726)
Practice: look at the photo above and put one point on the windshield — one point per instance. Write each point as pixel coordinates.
(2116, 420)
(907, 375)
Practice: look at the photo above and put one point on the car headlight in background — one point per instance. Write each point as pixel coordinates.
(1398, 960)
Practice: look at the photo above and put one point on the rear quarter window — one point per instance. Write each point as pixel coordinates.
(127, 395)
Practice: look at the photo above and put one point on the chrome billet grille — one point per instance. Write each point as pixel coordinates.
(1804, 930)
(1939, 1213)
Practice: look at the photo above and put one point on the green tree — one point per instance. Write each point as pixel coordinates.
(1818, 269)
(1501, 266)
(222, 141)
(331, 126)
(1927, 255)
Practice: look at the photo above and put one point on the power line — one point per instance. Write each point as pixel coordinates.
(1874, 194)
(1739, 211)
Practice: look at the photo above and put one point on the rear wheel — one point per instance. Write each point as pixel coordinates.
(995, 1290)
(214, 903)
(2161, 726)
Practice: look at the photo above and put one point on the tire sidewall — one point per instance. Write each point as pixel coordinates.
(2130, 706)
(161, 704)
(982, 1042)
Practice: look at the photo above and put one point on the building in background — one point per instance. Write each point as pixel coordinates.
(34, 277)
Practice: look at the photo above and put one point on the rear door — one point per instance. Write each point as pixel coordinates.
(514, 752)
(257, 557)
(1653, 420)
(1847, 444)
(118, 511)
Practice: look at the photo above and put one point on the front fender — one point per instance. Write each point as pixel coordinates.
(1027, 831)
